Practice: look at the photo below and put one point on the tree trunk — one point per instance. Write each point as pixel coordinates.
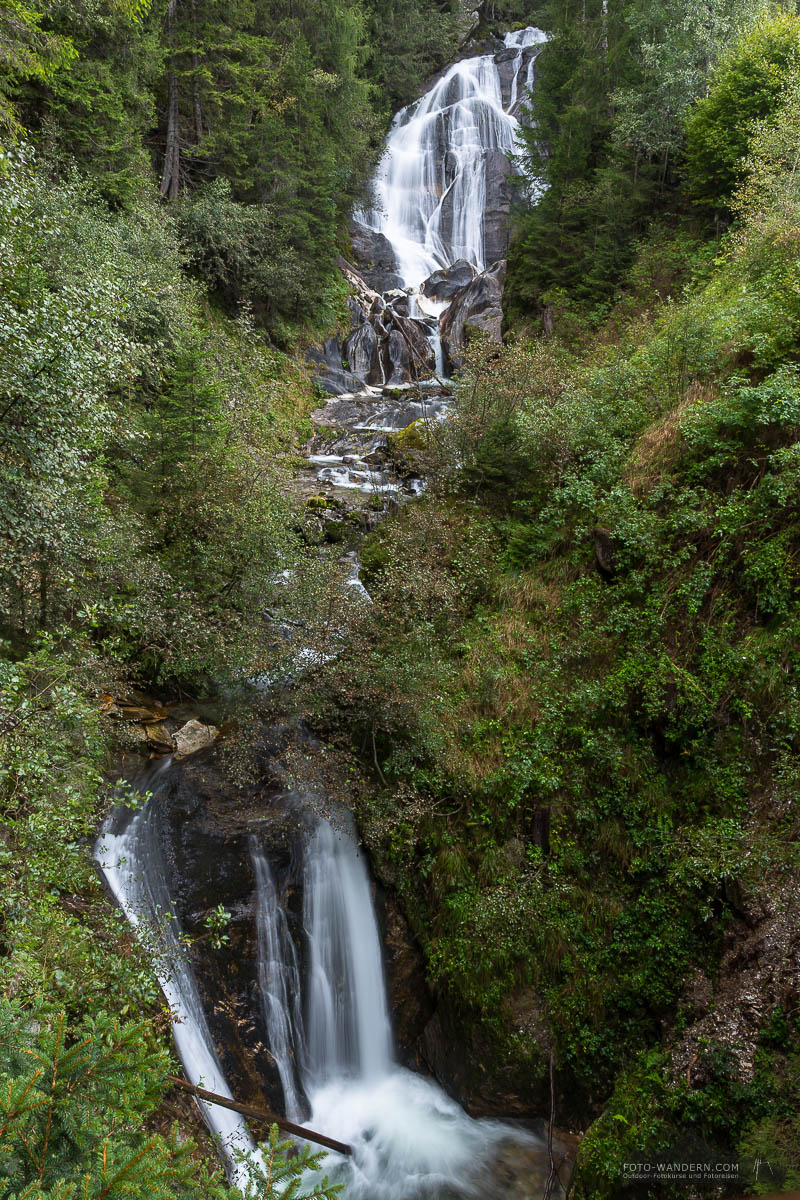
(43, 589)
(170, 180)
(198, 110)
(196, 105)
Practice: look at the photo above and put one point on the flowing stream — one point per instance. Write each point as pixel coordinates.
(322, 993)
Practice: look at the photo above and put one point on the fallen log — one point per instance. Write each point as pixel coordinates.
(261, 1116)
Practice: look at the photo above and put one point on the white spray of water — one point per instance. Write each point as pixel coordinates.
(430, 187)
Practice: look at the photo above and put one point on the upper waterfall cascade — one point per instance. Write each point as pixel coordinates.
(430, 189)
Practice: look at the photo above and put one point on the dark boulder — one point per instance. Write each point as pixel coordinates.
(328, 370)
(443, 284)
(469, 1064)
(476, 308)
(416, 334)
(384, 344)
(374, 257)
(362, 354)
(398, 359)
(398, 300)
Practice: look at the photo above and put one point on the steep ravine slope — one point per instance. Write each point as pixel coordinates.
(576, 693)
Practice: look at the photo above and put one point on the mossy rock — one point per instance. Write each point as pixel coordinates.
(413, 437)
(317, 502)
(334, 532)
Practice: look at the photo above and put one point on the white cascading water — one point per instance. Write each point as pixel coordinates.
(430, 187)
(130, 855)
(410, 1140)
(348, 1032)
(278, 983)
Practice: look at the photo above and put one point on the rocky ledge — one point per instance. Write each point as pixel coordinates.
(385, 346)
(476, 308)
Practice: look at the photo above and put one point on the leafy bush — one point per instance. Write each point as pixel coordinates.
(747, 86)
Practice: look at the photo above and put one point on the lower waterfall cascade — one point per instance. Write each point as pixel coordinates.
(327, 1026)
(130, 855)
(323, 998)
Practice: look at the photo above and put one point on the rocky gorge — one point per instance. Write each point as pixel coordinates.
(290, 1008)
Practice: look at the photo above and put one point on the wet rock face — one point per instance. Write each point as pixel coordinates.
(328, 370)
(410, 1002)
(505, 60)
(467, 1063)
(506, 63)
(374, 258)
(207, 824)
(477, 307)
(497, 211)
(444, 284)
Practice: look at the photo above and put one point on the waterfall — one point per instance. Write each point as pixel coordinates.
(430, 186)
(349, 1033)
(327, 1027)
(343, 1029)
(410, 1140)
(322, 995)
(130, 855)
(278, 982)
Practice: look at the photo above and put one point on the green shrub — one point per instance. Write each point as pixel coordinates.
(73, 1102)
(747, 86)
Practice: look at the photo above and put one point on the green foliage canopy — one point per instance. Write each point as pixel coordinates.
(748, 85)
